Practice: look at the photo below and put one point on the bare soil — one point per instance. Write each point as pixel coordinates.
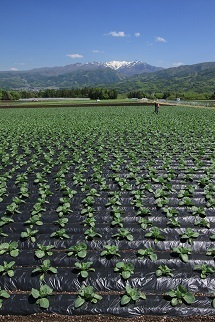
(102, 318)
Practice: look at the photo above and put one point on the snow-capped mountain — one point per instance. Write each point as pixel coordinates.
(122, 68)
(74, 75)
(130, 68)
(116, 64)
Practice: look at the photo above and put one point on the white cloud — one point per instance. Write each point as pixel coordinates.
(13, 69)
(160, 39)
(117, 34)
(177, 64)
(137, 34)
(95, 51)
(74, 56)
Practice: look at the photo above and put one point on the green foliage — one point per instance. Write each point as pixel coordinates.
(155, 234)
(123, 233)
(204, 269)
(7, 268)
(182, 252)
(125, 269)
(60, 233)
(9, 248)
(86, 294)
(79, 250)
(3, 295)
(84, 268)
(188, 235)
(180, 295)
(44, 268)
(41, 296)
(132, 295)
(30, 234)
(163, 270)
(91, 233)
(43, 251)
(211, 252)
(147, 252)
(110, 250)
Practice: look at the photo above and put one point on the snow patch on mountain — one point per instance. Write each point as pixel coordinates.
(116, 64)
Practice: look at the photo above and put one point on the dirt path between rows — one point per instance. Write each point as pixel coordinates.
(102, 318)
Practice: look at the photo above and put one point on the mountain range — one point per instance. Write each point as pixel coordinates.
(121, 75)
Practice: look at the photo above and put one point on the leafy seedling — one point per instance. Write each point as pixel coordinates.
(123, 233)
(79, 250)
(29, 234)
(180, 295)
(211, 252)
(161, 202)
(62, 222)
(204, 269)
(114, 201)
(44, 268)
(89, 221)
(84, 268)
(170, 212)
(61, 234)
(188, 235)
(132, 295)
(2, 233)
(125, 269)
(41, 296)
(182, 253)
(63, 209)
(5, 220)
(148, 253)
(7, 268)
(110, 250)
(34, 220)
(37, 209)
(9, 248)
(143, 212)
(186, 201)
(88, 211)
(187, 192)
(43, 251)
(117, 220)
(172, 222)
(197, 211)
(203, 223)
(3, 295)
(213, 300)
(86, 294)
(91, 233)
(155, 234)
(163, 270)
(144, 223)
(12, 209)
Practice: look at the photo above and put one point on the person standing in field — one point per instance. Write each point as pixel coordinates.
(157, 105)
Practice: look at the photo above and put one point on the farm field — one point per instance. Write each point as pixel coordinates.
(107, 211)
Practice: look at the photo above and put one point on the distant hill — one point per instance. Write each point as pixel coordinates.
(120, 75)
(74, 75)
(199, 78)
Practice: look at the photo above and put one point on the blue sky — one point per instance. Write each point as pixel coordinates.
(47, 33)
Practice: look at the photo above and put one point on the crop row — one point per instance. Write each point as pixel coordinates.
(107, 210)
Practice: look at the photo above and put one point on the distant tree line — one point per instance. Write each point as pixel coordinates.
(171, 95)
(92, 93)
(101, 93)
